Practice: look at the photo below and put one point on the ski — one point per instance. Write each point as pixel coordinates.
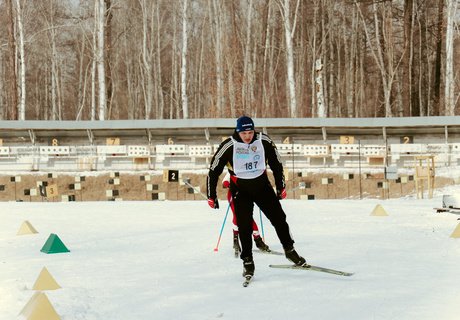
(269, 251)
(312, 268)
(247, 280)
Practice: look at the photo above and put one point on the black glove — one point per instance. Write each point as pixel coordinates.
(213, 203)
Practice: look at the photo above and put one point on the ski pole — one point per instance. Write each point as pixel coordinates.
(195, 189)
(222, 229)
(261, 224)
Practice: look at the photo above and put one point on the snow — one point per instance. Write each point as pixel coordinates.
(156, 260)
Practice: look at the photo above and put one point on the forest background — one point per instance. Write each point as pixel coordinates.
(163, 59)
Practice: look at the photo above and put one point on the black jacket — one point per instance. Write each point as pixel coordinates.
(224, 157)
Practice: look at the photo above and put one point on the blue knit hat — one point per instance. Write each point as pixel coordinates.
(244, 124)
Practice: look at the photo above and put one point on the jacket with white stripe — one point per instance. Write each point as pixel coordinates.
(224, 157)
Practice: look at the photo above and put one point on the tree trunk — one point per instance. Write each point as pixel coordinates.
(264, 82)
(12, 113)
(94, 71)
(382, 52)
(108, 16)
(22, 65)
(406, 76)
(81, 80)
(449, 98)
(55, 110)
(101, 59)
(184, 97)
(218, 42)
(246, 85)
(288, 33)
(159, 82)
(438, 60)
(146, 60)
(2, 91)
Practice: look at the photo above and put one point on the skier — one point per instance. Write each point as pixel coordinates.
(246, 154)
(255, 229)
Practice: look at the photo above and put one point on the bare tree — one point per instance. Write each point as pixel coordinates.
(2, 90)
(214, 58)
(146, 54)
(184, 97)
(108, 17)
(383, 50)
(12, 113)
(408, 55)
(289, 30)
(438, 59)
(160, 106)
(100, 58)
(49, 17)
(82, 77)
(22, 64)
(218, 41)
(449, 103)
(247, 85)
(94, 57)
(264, 78)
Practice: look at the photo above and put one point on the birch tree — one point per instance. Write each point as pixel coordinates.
(408, 55)
(93, 105)
(108, 17)
(214, 58)
(49, 17)
(289, 34)
(22, 64)
(265, 79)
(160, 105)
(2, 90)
(384, 55)
(146, 54)
(184, 97)
(247, 67)
(81, 81)
(217, 31)
(12, 113)
(100, 61)
(449, 95)
(438, 59)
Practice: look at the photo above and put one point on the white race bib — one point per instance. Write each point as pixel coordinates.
(248, 159)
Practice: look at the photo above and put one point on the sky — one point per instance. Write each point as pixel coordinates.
(157, 260)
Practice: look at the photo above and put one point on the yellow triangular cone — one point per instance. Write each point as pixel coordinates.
(456, 233)
(26, 228)
(39, 308)
(379, 211)
(45, 281)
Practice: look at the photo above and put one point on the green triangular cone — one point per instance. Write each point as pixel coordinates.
(54, 245)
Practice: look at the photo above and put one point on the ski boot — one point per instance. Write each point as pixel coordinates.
(248, 267)
(294, 257)
(261, 244)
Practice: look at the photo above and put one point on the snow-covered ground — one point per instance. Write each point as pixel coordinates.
(156, 260)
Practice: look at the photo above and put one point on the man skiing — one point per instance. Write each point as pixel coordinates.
(246, 154)
(255, 229)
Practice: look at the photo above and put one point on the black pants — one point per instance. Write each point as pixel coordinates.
(245, 193)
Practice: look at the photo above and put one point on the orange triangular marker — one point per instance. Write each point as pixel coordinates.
(45, 281)
(456, 233)
(39, 308)
(26, 228)
(379, 211)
